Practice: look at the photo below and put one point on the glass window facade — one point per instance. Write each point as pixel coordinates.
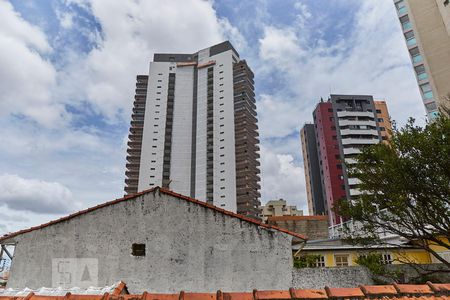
(426, 91)
(431, 106)
(421, 72)
(406, 24)
(415, 55)
(401, 7)
(410, 38)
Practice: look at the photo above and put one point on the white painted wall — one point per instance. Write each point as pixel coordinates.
(180, 162)
(150, 172)
(200, 163)
(224, 133)
(188, 248)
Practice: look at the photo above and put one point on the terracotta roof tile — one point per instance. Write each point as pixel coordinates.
(149, 296)
(80, 297)
(439, 287)
(268, 295)
(422, 289)
(344, 292)
(429, 291)
(198, 296)
(378, 290)
(236, 296)
(120, 289)
(308, 294)
(153, 190)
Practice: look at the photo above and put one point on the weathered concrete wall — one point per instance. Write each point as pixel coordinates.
(188, 247)
(313, 227)
(318, 278)
(436, 273)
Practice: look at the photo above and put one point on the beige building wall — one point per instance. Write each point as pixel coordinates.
(383, 119)
(313, 227)
(430, 24)
(307, 172)
(275, 208)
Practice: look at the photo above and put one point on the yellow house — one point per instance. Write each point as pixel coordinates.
(442, 251)
(337, 253)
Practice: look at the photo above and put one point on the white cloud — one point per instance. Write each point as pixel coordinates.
(65, 19)
(133, 31)
(280, 46)
(230, 32)
(34, 195)
(26, 77)
(372, 60)
(82, 164)
(279, 117)
(282, 178)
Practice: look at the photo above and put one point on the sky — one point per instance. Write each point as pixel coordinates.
(68, 70)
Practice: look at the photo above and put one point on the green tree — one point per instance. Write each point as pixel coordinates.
(405, 188)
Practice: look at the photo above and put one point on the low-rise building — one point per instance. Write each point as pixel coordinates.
(314, 227)
(275, 208)
(154, 239)
(442, 251)
(338, 253)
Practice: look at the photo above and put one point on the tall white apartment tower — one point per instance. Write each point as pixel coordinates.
(426, 28)
(194, 129)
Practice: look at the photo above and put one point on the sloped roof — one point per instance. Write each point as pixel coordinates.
(429, 291)
(153, 190)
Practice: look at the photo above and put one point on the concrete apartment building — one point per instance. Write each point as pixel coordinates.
(342, 125)
(314, 192)
(279, 208)
(194, 129)
(426, 27)
(383, 119)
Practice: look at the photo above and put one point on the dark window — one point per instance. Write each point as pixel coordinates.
(378, 111)
(382, 129)
(330, 110)
(339, 166)
(138, 250)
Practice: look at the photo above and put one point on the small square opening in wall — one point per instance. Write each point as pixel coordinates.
(138, 249)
